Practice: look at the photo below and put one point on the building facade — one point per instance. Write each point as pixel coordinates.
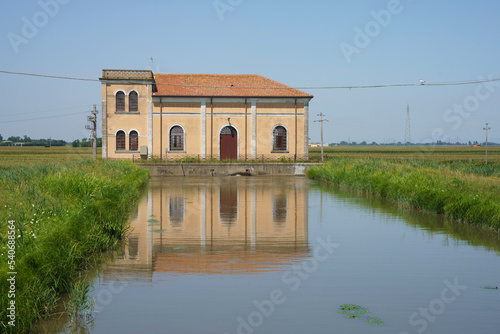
(203, 116)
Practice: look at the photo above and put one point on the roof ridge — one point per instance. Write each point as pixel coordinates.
(209, 74)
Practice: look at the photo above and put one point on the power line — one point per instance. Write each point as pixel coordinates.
(466, 82)
(44, 111)
(38, 118)
(48, 76)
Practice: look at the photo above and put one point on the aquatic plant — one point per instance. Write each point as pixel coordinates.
(352, 311)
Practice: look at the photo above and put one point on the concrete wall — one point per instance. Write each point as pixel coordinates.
(221, 169)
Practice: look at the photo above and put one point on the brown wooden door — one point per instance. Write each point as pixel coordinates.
(228, 143)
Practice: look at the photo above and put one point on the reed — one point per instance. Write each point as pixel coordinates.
(460, 192)
(62, 213)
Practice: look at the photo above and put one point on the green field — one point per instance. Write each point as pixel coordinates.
(427, 153)
(11, 156)
(27, 156)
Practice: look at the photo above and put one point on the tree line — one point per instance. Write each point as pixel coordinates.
(27, 141)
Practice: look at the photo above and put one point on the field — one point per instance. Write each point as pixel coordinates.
(426, 153)
(28, 156)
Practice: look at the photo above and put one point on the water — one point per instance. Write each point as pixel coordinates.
(281, 254)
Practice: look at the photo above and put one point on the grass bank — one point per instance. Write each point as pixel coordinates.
(52, 218)
(459, 192)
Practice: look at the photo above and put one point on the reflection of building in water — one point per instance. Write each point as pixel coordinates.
(135, 256)
(218, 225)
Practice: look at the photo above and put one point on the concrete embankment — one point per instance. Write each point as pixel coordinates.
(224, 169)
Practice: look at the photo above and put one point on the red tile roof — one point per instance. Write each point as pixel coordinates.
(227, 85)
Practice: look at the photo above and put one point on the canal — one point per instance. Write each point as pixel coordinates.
(281, 255)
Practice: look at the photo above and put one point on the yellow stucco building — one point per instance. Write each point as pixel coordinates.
(204, 116)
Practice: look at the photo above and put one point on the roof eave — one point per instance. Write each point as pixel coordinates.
(238, 96)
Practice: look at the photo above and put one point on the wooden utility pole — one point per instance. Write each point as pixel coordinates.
(486, 128)
(93, 127)
(321, 120)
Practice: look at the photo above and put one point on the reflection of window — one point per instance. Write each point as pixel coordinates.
(279, 138)
(176, 211)
(133, 102)
(120, 101)
(280, 204)
(120, 141)
(228, 203)
(133, 139)
(133, 247)
(176, 139)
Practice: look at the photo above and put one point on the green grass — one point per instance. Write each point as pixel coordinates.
(458, 191)
(63, 214)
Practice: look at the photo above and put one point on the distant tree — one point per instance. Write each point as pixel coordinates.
(1, 138)
(26, 139)
(99, 142)
(363, 143)
(85, 143)
(75, 143)
(374, 143)
(14, 139)
(344, 143)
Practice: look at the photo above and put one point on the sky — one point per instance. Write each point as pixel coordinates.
(299, 43)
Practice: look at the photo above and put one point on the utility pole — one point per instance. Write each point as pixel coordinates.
(93, 127)
(486, 128)
(321, 120)
(407, 140)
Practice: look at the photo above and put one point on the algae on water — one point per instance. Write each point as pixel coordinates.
(352, 311)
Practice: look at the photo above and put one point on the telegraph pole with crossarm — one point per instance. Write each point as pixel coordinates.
(93, 127)
(486, 128)
(321, 120)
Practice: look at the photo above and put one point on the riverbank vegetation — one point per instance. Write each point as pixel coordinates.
(465, 191)
(57, 216)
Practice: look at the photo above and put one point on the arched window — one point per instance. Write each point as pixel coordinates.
(120, 101)
(120, 141)
(279, 138)
(133, 141)
(176, 138)
(133, 102)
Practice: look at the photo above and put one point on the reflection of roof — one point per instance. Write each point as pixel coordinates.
(234, 85)
(228, 260)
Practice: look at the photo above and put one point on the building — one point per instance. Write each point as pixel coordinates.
(204, 116)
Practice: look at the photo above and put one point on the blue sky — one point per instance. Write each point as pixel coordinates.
(299, 43)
